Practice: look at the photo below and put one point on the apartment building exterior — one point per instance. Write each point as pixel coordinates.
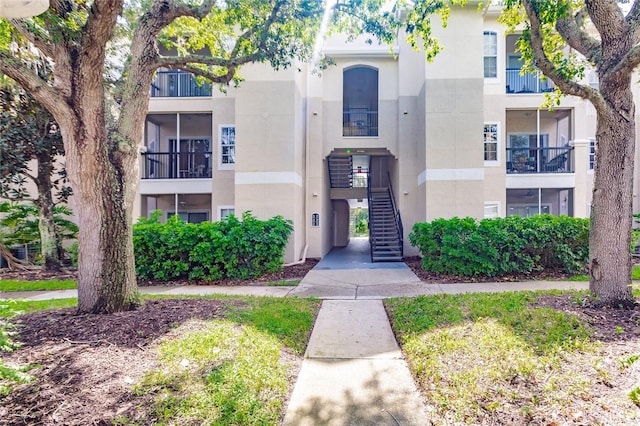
(413, 141)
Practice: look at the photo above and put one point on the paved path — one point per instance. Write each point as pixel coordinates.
(354, 372)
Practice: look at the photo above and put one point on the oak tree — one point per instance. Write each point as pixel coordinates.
(101, 133)
(564, 39)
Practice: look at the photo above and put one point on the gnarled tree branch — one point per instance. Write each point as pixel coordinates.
(541, 60)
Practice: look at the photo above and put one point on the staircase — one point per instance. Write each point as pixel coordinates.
(341, 171)
(385, 226)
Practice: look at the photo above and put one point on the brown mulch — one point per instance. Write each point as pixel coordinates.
(415, 263)
(87, 365)
(288, 273)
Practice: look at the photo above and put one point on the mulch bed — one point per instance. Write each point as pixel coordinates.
(89, 363)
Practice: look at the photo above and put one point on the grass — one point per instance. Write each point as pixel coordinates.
(26, 306)
(474, 353)
(47, 285)
(233, 370)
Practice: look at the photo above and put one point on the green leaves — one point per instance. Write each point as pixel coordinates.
(231, 248)
(497, 247)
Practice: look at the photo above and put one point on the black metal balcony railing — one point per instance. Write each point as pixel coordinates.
(176, 165)
(360, 123)
(527, 83)
(540, 160)
(177, 84)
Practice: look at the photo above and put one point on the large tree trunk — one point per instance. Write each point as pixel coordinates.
(611, 212)
(103, 171)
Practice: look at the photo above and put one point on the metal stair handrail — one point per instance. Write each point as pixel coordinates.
(396, 215)
(369, 199)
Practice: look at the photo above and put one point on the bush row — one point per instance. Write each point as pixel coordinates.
(502, 246)
(231, 248)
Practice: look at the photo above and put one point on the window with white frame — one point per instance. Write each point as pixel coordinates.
(225, 211)
(491, 209)
(592, 153)
(227, 146)
(490, 138)
(490, 54)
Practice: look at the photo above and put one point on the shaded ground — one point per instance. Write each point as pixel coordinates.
(415, 263)
(89, 363)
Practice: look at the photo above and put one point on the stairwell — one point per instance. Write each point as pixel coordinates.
(385, 233)
(341, 171)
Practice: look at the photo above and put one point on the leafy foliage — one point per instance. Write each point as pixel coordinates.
(496, 247)
(19, 226)
(28, 132)
(7, 344)
(231, 248)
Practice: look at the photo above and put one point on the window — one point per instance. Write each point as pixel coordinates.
(227, 146)
(490, 138)
(592, 153)
(191, 217)
(360, 101)
(490, 54)
(491, 210)
(225, 211)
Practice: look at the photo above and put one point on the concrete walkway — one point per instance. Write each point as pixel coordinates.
(354, 372)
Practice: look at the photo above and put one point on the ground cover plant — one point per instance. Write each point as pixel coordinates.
(544, 358)
(169, 362)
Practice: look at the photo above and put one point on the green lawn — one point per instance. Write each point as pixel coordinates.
(47, 285)
(230, 370)
(482, 358)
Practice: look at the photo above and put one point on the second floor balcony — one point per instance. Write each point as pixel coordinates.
(527, 83)
(179, 84)
(176, 165)
(540, 160)
(360, 122)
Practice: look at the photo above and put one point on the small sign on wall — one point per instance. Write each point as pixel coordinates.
(315, 219)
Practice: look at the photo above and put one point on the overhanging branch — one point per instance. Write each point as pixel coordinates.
(38, 88)
(567, 86)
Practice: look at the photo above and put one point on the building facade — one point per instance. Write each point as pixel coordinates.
(381, 129)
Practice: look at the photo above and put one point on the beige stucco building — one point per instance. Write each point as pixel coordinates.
(461, 136)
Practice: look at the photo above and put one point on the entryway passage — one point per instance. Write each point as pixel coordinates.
(348, 273)
(356, 255)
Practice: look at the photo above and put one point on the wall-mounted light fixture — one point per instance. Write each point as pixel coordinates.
(315, 112)
(405, 112)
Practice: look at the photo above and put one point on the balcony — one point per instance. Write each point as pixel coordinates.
(178, 84)
(540, 160)
(527, 83)
(360, 122)
(176, 165)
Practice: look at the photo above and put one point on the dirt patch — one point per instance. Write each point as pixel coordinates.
(89, 363)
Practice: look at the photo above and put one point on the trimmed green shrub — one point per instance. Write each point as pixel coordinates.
(502, 246)
(231, 248)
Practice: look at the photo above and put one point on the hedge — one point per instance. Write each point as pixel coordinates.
(230, 248)
(503, 246)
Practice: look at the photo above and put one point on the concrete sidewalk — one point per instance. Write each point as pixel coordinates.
(352, 284)
(354, 372)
